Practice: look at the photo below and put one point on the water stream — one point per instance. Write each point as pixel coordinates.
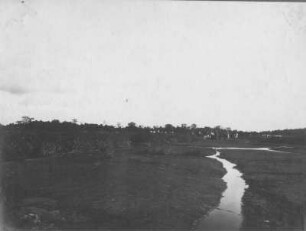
(227, 216)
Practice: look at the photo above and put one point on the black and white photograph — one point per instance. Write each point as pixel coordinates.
(152, 115)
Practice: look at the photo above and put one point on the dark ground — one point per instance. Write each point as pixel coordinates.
(159, 187)
(62, 175)
(277, 186)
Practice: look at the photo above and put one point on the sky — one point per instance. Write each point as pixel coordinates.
(235, 64)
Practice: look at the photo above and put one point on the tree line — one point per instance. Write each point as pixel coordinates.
(216, 132)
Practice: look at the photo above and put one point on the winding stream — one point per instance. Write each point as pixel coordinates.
(227, 216)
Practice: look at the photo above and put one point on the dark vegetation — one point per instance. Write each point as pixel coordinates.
(68, 175)
(30, 138)
(285, 137)
(128, 190)
(65, 175)
(276, 197)
(34, 139)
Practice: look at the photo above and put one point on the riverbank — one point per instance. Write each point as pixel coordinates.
(165, 186)
(277, 186)
(227, 216)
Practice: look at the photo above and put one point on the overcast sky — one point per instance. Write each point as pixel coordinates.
(236, 64)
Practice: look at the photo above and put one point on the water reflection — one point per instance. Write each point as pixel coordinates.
(227, 216)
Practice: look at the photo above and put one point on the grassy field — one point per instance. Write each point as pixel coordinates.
(66, 176)
(168, 186)
(277, 186)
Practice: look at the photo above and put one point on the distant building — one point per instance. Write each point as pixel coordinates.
(278, 136)
(271, 135)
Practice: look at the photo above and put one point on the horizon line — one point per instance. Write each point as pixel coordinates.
(104, 123)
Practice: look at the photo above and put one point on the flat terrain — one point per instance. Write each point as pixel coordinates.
(169, 186)
(277, 186)
(63, 175)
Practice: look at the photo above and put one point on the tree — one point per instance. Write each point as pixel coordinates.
(74, 120)
(217, 130)
(25, 120)
(169, 128)
(131, 125)
(193, 126)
